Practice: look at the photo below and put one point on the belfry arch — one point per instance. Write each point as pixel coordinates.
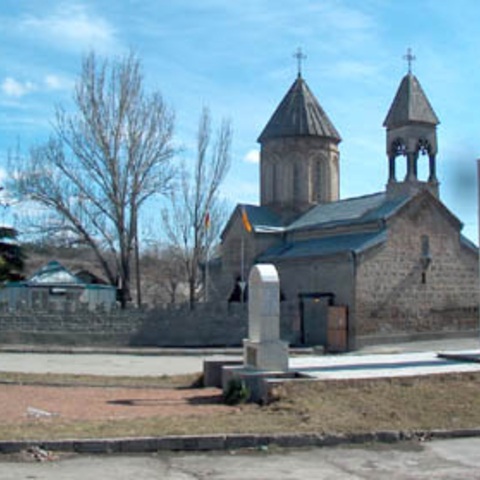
(411, 127)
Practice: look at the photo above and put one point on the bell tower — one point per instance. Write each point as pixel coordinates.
(299, 157)
(411, 127)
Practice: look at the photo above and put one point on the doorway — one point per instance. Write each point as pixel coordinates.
(314, 317)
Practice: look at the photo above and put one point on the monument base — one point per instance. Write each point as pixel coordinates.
(270, 356)
(256, 381)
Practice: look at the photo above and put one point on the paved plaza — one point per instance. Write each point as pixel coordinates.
(381, 365)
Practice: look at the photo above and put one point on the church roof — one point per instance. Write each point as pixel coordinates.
(350, 211)
(262, 219)
(468, 243)
(410, 105)
(299, 114)
(325, 246)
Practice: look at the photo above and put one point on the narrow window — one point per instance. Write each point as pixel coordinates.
(317, 178)
(296, 183)
(274, 181)
(425, 258)
(425, 246)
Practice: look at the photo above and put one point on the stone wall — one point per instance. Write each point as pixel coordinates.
(216, 325)
(397, 298)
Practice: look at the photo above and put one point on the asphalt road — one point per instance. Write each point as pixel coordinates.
(164, 364)
(101, 364)
(446, 459)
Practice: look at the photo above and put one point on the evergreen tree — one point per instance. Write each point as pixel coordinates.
(11, 256)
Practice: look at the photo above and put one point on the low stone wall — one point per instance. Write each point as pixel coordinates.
(214, 324)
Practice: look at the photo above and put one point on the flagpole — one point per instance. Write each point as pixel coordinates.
(242, 273)
(248, 228)
(206, 278)
(478, 214)
(207, 228)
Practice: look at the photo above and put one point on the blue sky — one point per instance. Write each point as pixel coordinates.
(236, 57)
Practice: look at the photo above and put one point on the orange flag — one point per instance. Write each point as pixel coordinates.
(246, 221)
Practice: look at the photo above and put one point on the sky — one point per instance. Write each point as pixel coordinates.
(236, 57)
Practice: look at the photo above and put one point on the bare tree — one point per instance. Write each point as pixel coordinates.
(102, 163)
(195, 217)
(163, 274)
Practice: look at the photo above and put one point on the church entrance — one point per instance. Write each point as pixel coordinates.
(314, 317)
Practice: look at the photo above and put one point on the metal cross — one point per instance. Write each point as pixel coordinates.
(299, 56)
(410, 58)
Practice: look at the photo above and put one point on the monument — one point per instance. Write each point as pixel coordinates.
(265, 355)
(263, 350)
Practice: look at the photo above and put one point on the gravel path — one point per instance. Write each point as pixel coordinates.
(24, 404)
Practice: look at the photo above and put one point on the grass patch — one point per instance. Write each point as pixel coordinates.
(70, 380)
(435, 402)
(414, 404)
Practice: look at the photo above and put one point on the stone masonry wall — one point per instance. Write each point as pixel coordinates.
(393, 298)
(216, 324)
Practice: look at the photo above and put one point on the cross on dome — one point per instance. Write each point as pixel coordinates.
(300, 56)
(410, 58)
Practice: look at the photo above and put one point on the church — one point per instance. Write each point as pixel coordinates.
(385, 267)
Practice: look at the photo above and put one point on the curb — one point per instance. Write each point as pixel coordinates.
(140, 351)
(197, 443)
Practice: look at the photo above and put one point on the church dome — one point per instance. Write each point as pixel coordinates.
(299, 114)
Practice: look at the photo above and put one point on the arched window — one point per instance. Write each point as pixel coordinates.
(296, 183)
(423, 149)
(273, 176)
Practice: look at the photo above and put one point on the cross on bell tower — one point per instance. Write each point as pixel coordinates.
(300, 56)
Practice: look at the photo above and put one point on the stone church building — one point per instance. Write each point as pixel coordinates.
(385, 267)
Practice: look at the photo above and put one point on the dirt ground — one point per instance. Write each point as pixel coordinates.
(24, 404)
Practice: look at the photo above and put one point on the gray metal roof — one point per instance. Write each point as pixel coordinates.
(325, 246)
(299, 114)
(410, 105)
(262, 218)
(353, 210)
(468, 243)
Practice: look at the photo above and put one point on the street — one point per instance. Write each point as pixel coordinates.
(101, 364)
(446, 459)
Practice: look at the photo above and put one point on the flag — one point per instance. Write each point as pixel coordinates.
(207, 220)
(246, 221)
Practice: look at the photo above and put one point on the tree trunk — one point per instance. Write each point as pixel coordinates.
(192, 299)
(137, 262)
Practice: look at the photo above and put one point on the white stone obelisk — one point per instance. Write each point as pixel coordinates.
(264, 350)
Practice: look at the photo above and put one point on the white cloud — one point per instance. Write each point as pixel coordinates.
(72, 27)
(54, 82)
(253, 156)
(240, 192)
(353, 69)
(342, 17)
(14, 88)
(3, 175)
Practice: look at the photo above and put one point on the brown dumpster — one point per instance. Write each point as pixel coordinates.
(337, 329)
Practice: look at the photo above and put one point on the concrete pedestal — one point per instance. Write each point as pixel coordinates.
(272, 355)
